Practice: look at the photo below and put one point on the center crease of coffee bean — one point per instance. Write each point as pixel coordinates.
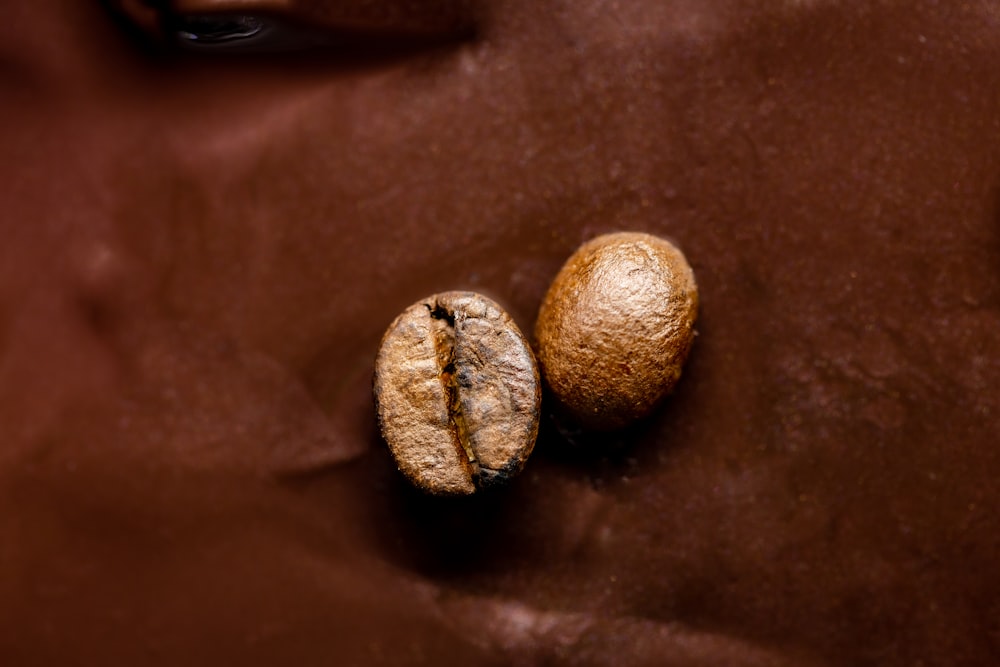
(445, 344)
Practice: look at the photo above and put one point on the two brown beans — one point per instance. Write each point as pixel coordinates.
(457, 389)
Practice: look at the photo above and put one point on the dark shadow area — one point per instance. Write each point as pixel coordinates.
(276, 41)
(445, 537)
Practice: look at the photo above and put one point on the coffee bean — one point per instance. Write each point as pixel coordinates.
(457, 393)
(615, 328)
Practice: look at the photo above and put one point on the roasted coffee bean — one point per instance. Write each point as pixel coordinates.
(457, 393)
(615, 328)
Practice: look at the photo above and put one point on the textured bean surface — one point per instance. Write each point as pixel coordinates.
(616, 327)
(457, 393)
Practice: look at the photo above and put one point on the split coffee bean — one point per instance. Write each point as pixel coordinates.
(457, 393)
(615, 328)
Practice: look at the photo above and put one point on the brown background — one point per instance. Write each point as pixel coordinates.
(199, 255)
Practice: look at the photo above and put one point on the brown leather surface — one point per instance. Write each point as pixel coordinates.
(199, 255)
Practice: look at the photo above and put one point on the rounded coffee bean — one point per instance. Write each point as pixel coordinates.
(457, 393)
(615, 328)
